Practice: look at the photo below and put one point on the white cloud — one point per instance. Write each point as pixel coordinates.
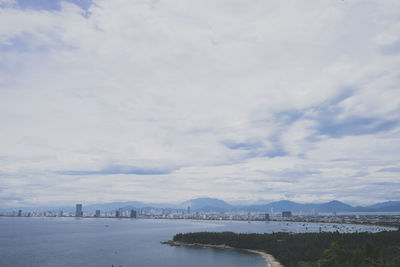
(221, 92)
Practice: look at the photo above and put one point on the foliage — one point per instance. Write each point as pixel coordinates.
(312, 249)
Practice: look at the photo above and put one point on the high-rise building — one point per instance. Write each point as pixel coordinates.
(188, 210)
(97, 213)
(314, 212)
(266, 217)
(286, 214)
(117, 213)
(19, 213)
(133, 213)
(121, 214)
(78, 210)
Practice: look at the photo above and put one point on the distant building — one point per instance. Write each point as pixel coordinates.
(78, 210)
(19, 213)
(334, 213)
(188, 210)
(266, 217)
(314, 212)
(287, 214)
(61, 213)
(133, 213)
(121, 213)
(117, 213)
(97, 213)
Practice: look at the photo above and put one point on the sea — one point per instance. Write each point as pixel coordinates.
(97, 242)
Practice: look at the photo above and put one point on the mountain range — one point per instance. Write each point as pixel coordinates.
(218, 205)
(209, 204)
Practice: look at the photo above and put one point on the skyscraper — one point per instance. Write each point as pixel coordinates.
(97, 213)
(286, 214)
(314, 212)
(78, 211)
(133, 213)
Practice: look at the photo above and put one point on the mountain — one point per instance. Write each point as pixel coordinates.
(104, 207)
(218, 205)
(112, 206)
(286, 205)
(127, 206)
(279, 206)
(389, 206)
(212, 204)
(207, 204)
(40, 209)
(334, 206)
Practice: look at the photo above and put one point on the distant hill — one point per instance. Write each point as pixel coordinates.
(384, 205)
(207, 204)
(286, 205)
(218, 205)
(112, 206)
(212, 204)
(389, 206)
(127, 206)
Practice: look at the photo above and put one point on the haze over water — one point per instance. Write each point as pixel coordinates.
(102, 242)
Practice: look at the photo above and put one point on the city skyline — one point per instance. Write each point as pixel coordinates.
(165, 101)
(210, 205)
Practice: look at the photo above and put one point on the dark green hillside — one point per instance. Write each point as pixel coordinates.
(312, 249)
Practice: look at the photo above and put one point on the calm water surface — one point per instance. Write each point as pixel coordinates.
(106, 242)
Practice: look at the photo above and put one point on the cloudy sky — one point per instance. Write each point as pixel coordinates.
(168, 100)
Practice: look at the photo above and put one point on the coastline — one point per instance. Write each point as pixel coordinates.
(270, 260)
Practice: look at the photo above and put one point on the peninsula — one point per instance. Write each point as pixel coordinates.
(271, 261)
(306, 249)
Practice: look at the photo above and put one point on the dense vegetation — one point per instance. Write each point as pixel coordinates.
(312, 249)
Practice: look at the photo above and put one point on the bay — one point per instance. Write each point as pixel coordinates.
(105, 242)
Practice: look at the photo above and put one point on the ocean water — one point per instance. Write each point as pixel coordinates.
(130, 242)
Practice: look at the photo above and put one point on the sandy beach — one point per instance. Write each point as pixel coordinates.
(270, 260)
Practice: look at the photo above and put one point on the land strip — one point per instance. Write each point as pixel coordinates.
(271, 261)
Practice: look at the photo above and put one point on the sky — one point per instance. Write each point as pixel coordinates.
(169, 100)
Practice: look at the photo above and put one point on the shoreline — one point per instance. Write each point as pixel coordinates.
(391, 227)
(270, 260)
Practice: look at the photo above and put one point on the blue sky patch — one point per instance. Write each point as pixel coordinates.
(51, 5)
(119, 170)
